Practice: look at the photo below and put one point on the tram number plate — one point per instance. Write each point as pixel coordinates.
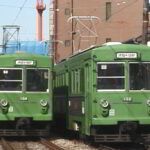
(126, 55)
(112, 112)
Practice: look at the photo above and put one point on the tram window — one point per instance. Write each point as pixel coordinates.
(10, 79)
(139, 76)
(37, 80)
(110, 76)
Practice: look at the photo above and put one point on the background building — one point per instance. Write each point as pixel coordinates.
(79, 24)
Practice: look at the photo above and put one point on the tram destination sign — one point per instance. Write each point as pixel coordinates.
(127, 55)
(26, 62)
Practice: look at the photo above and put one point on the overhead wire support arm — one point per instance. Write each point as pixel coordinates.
(80, 20)
(82, 17)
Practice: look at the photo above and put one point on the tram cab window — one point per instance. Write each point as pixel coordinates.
(37, 80)
(10, 79)
(110, 76)
(139, 76)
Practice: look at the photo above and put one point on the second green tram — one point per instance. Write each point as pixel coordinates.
(104, 93)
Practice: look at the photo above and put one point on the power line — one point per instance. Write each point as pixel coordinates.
(14, 6)
(103, 19)
(27, 7)
(19, 11)
(61, 8)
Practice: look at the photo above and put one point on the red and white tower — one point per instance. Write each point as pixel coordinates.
(39, 20)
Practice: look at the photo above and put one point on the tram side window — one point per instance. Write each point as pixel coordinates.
(77, 81)
(110, 76)
(139, 76)
(82, 80)
(37, 80)
(10, 80)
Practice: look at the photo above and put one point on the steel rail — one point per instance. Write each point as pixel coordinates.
(6, 145)
(50, 145)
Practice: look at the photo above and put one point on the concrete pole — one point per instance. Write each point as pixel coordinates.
(39, 20)
(145, 22)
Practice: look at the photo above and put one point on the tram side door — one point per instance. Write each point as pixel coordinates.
(78, 98)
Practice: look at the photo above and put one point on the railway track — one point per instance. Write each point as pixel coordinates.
(129, 146)
(103, 147)
(6, 144)
(50, 145)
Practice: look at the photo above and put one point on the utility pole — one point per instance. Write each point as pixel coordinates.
(73, 33)
(39, 19)
(145, 22)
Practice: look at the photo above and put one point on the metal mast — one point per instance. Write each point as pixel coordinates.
(11, 37)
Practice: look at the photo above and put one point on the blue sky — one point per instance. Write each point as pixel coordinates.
(26, 19)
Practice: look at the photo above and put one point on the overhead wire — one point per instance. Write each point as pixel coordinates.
(19, 11)
(115, 13)
(11, 35)
(60, 9)
(126, 5)
(14, 6)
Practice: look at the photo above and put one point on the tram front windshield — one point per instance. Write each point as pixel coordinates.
(110, 76)
(139, 76)
(34, 80)
(37, 80)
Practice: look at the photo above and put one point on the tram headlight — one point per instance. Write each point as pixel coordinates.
(104, 103)
(45, 106)
(4, 102)
(105, 107)
(4, 106)
(148, 102)
(43, 102)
